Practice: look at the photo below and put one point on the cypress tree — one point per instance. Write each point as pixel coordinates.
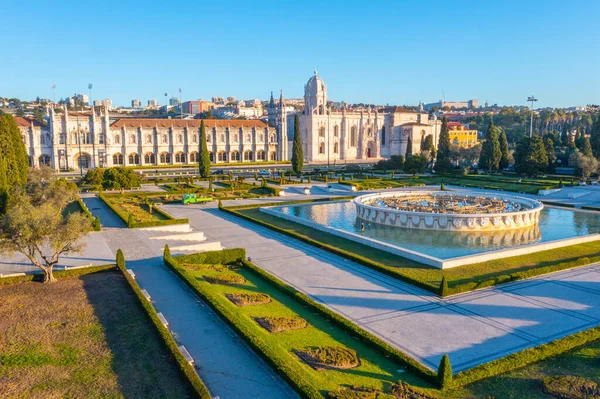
(204, 156)
(14, 161)
(297, 152)
(408, 147)
(490, 150)
(120, 259)
(167, 252)
(444, 374)
(443, 163)
(504, 155)
(586, 147)
(443, 291)
(595, 137)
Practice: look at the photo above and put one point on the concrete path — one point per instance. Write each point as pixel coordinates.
(472, 328)
(224, 362)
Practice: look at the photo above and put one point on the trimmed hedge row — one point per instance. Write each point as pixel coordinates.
(125, 216)
(224, 256)
(59, 274)
(95, 220)
(274, 356)
(284, 203)
(526, 356)
(184, 367)
(345, 324)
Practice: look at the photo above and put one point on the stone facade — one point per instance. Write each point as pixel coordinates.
(96, 140)
(341, 135)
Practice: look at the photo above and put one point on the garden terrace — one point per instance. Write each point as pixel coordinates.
(376, 369)
(101, 344)
(140, 210)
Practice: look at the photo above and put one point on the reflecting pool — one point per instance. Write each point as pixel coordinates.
(554, 224)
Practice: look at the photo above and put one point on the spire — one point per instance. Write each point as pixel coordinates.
(281, 98)
(272, 102)
(316, 72)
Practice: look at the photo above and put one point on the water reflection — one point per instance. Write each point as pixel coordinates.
(554, 224)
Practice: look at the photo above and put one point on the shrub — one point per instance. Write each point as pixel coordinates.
(248, 299)
(404, 391)
(443, 291)
(120, 259)
(444, 375)
(571, 387)
(130, 220)
(224, 256)
(167, 252)
(354, 393)
(96, 224)
(324, 357)
(227, 279)
(276, 324)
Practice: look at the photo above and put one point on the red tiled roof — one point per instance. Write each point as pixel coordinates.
(149, 123)
(26, 122)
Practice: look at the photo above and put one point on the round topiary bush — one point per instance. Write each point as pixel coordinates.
(276, 324)
(571, 387)
(329, 357)
(248, 299)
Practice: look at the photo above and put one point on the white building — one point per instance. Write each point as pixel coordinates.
(330, 135)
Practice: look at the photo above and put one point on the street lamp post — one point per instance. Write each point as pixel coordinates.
(54, 93)
(166, 104)
(180, 104)
(531, 99)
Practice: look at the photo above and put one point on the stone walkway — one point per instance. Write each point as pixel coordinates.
(472, 328)
(224, 362)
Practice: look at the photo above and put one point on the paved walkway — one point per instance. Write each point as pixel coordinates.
(224, 362)
(472, 328)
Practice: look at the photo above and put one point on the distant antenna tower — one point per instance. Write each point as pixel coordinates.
(443, 95)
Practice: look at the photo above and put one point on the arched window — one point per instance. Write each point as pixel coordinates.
(208, 138)
(235, 156)
(235, 138)
(247, 155)
(134, 159)
(165, 139)
(117, 139)
(383, 135)
(42, 139)
(248, 138)
(272, 138)
(273, 156)
(336, 131)
(62, 138)
(193, 157)
(180, 157)
(132, 139)
(180, 138)
(211, 156)
(101, 138)
(148, 139)
(222, 157)
(82, 161)
(261, 138)
(165, 157)
(322, 131)
(321, 148)
(149, 158)
(353, 136)
(336, 147)
(222, 138)
(260, 155)
(117, 159)
(370, 132)
(44, 160)
(194, 138)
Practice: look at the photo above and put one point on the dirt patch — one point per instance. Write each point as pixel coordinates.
(81, 337)
(329, 357)
(277, 324)
(248, 299)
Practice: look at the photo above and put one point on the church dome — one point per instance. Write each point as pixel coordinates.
(315, 84)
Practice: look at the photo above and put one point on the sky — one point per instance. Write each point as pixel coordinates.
(382, 52)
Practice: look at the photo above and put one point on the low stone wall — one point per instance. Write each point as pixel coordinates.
(449, 221)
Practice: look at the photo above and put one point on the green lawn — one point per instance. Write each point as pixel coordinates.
(460, 279)
(136, 207)
(375, 371)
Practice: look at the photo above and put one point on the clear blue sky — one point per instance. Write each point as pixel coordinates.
(396, 52)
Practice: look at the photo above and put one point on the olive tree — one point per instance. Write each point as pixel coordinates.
(588, 165)
(36, 223)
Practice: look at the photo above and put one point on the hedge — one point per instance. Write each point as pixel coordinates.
(285, 203)
(59, 274)
(559, 204)
(185, 368)
(274, 356)
(125, 216)
(590, 208)
(95, 220)
(224, 256)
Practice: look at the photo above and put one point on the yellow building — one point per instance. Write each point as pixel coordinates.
(460, 135)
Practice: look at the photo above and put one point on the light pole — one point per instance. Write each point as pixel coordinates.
(166, 104)
(180, 104)
(90, 87)
(54, 93)
(532, 99)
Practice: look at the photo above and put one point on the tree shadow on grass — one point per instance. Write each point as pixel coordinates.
(142, 363)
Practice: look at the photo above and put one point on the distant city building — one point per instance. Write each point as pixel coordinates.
(196, 107)
(153, 103)
(174, 101)
(461, 135)
(453, 104)
(218, 100)
(136, 103)
(107, 102)
(231, 99)
(250, 112)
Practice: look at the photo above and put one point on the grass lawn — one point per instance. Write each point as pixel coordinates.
(526, 383)
(83, 337)
(460, 279)
(375, 370)
(135, 206)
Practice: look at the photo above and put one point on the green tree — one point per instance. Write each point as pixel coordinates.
(595, 137)
(297, 151)
(36, 226)
(586, 164)
(120, 259)
(443, 150)
(491, 154)
(416, 164)
(14, 161)
(203, 156)
(443, 291)
(409, 149)
(586, 147)
(427, 144)
(504, 154)
(119, 178)
(444, 374)
(530, 156)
